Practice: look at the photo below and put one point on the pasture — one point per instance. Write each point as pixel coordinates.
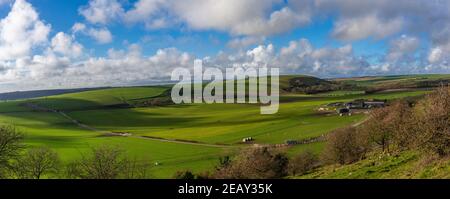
(180, 137)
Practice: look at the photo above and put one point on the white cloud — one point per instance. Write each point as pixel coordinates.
(251, 17)
(435, 55)
(143, 10)
(26, 54)
(65, 44)
(101, 35)
(243, 42)
(78, 27)
(402, 48)
(299, 57)
(366, 26)
(21, 31)
(102, 11)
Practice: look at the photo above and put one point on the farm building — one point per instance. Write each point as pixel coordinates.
(366, 104)
(375, 104)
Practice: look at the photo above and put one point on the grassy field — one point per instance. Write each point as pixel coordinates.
(406, 165)
(205, 132)
(396, 80)
(99, 99)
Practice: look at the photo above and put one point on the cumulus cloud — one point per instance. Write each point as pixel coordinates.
(250, 17)
(143, 10)
(379, 19)
(244, 42)
(366, 26)
(27, 54)
(65, 44)
(21, 31)
(302, 57)
(101, 35)
(435, 55)
(299, 57)
(402, 48)
(102, 11)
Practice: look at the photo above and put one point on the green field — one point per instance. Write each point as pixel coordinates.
(182, 136)
(406, 165)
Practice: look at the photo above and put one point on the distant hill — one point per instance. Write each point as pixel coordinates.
(383, 83)
(307, 84)
(296, 84)
(41, 93)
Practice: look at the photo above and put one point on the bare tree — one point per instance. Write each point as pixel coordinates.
(36, 163)
(403, 125)
(379, 128)
(106, 163)
(303, 163)
(433, 117)
(10, 147)
(345, 146)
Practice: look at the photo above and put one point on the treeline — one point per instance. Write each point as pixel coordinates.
(313, 85)
(422, 125)
(104, 162)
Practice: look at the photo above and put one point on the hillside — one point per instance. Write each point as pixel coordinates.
(41, 93)
(178, 137)
(405, 165)
(377, 84)
(97, 99)
(306, 85)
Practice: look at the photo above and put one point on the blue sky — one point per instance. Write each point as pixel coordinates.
(62, 15)
(84, 43)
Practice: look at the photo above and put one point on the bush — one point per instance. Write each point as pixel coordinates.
(402, 122)
(36, 163)
(10, 147)
(106, 163)
(345, 146)
(184, 175)
(303, 163)
(255, 163)
(391, 125)
(433, 117)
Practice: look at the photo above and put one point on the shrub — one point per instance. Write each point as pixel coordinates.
(106, 163)
(10, 147)
(402, 122)
(255, 163)
(36, 163)
(391, 125)
(302, 163)
(345, 146)
(433, 117)
(184, 175)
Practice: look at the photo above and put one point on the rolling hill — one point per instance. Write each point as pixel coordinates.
(179, 137)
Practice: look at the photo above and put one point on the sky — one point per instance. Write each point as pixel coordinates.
(48, 44)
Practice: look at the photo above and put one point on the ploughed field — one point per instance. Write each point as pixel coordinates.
(179, 137)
